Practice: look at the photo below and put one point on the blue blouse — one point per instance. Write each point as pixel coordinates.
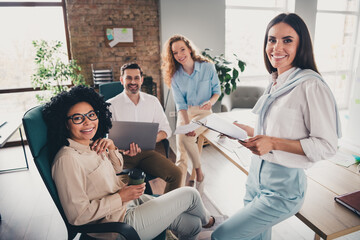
(197, 88)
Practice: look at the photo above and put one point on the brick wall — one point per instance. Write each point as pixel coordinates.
(87, 20)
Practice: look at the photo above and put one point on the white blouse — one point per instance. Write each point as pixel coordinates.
(306, 113)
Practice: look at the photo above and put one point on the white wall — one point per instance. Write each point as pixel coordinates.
(202, 21)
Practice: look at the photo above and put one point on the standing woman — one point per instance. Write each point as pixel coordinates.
(298, 124)
(195, 86)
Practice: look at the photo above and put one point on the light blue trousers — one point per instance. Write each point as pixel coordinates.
(181, 210)
(273, 194)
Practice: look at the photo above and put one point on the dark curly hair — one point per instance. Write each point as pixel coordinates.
(55, 114)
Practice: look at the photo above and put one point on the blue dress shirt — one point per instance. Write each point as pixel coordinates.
(197, 88)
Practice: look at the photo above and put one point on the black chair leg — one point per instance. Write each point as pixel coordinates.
(148, 189)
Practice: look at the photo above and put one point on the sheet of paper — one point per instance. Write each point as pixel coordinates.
(343, 159)
(228, 143)
(219, 124)
(186, 128)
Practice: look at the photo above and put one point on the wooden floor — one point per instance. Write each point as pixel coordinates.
(26, 207)
(225, 188)
(29, 213)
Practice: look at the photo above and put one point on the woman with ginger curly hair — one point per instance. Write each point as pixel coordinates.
(195, 86)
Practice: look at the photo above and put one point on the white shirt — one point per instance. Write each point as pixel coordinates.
(148, 109)
(305, 113)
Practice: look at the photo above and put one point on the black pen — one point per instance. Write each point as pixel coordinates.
(3, 124)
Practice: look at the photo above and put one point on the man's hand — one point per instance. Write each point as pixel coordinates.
(160, 136)
(133, 151)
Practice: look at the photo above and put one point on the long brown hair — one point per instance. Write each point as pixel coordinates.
(169, 64)
(304, 58)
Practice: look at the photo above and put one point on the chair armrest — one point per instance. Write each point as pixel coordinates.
(116, 227)
(166, 144)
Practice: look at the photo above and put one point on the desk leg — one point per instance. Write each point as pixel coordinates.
(26, 161)
(23, 145)
(317, 237)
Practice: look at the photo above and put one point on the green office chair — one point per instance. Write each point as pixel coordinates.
(36, 134)
(110, 90)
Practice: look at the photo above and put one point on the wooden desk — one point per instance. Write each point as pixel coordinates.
(320, 212)
(13, 123)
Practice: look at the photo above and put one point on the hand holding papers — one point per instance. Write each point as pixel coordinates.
(184, 129)
(218, 124)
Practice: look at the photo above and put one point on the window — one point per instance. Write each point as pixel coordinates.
(245, 25)
(335, 46)
(43, 20)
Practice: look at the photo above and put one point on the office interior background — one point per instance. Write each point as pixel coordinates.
(226, 26)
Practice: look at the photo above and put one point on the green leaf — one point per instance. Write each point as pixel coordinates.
(51, 71)
(235, 74)
(228, 90)
(228, 75)
(241, 65)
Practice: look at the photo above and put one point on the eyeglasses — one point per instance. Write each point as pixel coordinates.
(79, 118)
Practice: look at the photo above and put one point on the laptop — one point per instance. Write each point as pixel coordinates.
(142, 133)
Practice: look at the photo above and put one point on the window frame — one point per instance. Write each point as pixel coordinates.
(39, 4)
(258, 78)
(36, 4)
(350, 71)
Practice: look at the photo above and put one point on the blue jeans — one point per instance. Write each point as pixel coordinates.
(273, 194)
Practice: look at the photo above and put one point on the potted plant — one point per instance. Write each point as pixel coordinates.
(53, 71)
(227, 72)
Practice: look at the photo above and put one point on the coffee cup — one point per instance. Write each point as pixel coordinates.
(136, 177)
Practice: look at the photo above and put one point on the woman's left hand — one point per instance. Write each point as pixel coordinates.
(101, 144)
(205, 105)
(259, 145)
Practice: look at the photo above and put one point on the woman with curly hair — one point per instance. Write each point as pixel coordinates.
(195, 87)
(85, 167)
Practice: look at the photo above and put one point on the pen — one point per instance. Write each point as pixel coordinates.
(3, 124)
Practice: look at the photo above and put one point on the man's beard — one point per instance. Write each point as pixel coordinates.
(132, 89)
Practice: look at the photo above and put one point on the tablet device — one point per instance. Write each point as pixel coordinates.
(142, 133)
